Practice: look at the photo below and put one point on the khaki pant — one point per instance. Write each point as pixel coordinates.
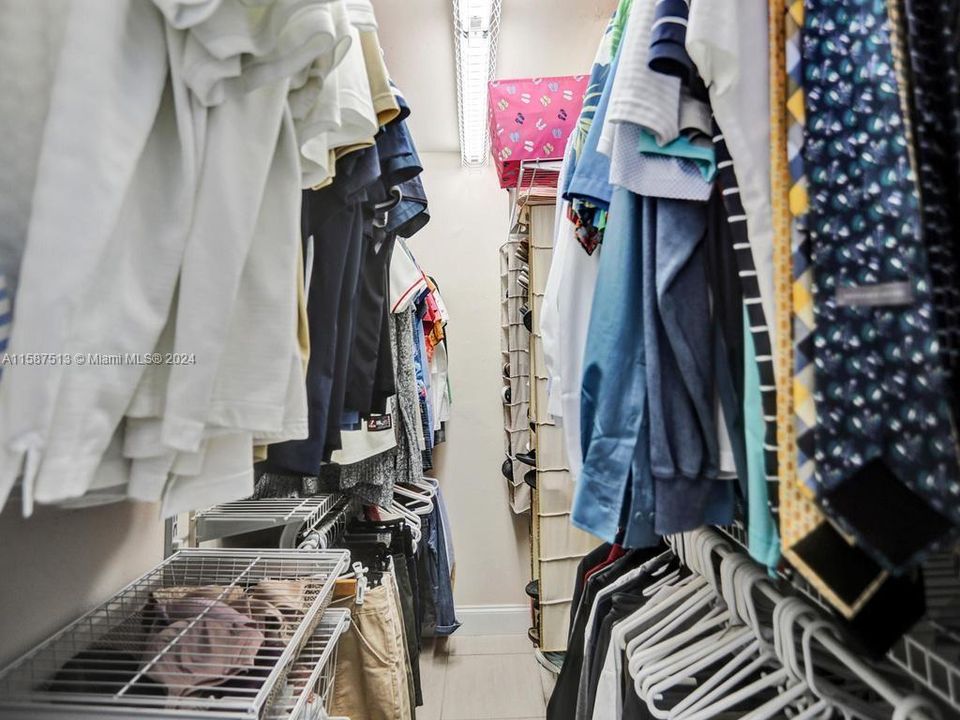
(371, 677)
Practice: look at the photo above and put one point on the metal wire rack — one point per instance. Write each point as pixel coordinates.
(244, 516)
(331, 527)
(930, 653)
(310, 682)
(205, 634)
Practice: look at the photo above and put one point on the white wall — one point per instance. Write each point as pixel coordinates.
(59, 564)
(537, 38)
(459, 247)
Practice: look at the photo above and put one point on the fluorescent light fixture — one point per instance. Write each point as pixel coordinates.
(476, 29)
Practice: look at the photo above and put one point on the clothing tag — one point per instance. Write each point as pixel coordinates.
(379, 423)
(891, 293)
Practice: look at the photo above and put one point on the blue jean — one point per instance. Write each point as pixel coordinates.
(436, 587)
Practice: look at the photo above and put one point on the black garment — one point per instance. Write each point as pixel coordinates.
(384, 380)
(346, 330)
(591, 560)
(563, 702)
(601, 609)
(374, 286)
(411, 638)
(935, 81)
(727, 309)
(612, 610)
(623, 604)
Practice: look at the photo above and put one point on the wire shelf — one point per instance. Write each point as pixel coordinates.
(331, 527)
(310, 682)
(205, 634)
(245, 516)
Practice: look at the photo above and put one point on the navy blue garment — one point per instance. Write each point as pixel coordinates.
(412, 214)
(347, 313)
(668, 37)
(727, 316)
(333, 217)
(426, 577)
(447, 622)
(399, 166)
(399, 160)
(668, 51)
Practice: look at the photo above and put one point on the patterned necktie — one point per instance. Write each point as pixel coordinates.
(885, 450)
(810, 543)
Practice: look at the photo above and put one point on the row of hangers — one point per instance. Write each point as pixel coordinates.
(397, 531)
(726, 633)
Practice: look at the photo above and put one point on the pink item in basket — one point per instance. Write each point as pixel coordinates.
(531, 119)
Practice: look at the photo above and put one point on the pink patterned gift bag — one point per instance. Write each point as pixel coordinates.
(531, 119)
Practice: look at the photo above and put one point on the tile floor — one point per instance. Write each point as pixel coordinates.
(493, 677)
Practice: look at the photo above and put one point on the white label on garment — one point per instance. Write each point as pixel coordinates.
(891, 293)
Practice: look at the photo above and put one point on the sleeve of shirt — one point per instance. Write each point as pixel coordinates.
(712, 42)
(550, 318)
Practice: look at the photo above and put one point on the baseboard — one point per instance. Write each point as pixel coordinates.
(493, 619)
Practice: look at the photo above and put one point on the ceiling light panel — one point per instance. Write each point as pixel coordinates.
(476, 33)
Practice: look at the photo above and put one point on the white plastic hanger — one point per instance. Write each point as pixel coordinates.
(643, 648)
(661, 603)
(422, 503)
(742, 640)
(706, 653)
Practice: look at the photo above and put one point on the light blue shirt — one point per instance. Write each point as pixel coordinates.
(614, 434)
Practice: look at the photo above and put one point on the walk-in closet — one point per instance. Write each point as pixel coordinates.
(479, 359)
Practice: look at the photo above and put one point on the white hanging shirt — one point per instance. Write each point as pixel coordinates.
(406, 278)
(355, 117)
(728, 41)
(550, 326)
(639, 94)
(106, 94)
(31, 35)
(242, 46)
(229, 197)
(565, 320)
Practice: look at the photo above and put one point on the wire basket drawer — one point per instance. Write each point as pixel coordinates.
(309, 686)
(205, 634)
